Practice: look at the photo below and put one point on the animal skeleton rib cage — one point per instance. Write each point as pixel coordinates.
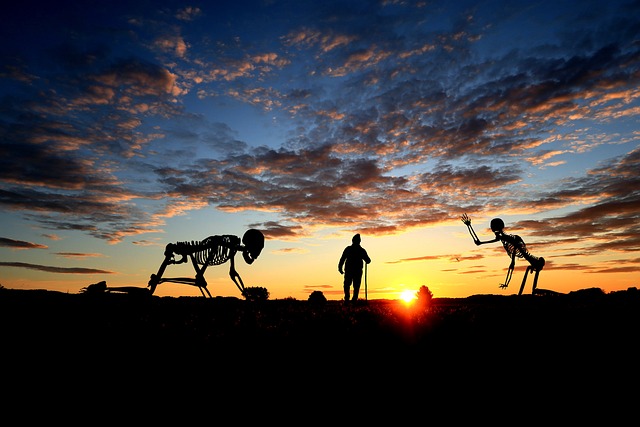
(208, 251)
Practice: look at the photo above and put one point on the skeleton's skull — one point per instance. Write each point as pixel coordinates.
(253, 241)
(497, 225)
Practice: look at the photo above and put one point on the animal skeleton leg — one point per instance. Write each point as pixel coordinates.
(234, 275)
(535, 281)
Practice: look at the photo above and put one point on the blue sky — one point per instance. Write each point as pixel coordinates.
(129, 125)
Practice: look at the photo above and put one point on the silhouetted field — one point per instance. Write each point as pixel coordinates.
(115, 322)
(574, 338)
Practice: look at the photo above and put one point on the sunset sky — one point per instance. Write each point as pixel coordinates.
(126, 126)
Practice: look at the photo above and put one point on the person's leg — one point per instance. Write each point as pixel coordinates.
(357, 279)
(347, 284)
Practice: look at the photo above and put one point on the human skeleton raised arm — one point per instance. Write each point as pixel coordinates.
(515, 248)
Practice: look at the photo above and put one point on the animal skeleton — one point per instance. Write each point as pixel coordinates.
(515, 248)
(214, 250)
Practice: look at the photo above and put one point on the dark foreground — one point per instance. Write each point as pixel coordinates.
(119, 324)
(557, 341)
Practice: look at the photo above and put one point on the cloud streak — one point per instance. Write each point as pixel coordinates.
(19, 244)
(50, 269)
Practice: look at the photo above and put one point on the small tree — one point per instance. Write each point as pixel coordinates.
(256, 293)
(424, 296)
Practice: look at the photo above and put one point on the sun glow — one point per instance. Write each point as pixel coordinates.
(408, 296)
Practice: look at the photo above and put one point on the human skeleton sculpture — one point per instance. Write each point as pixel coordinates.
(515, 247)
(213, 250)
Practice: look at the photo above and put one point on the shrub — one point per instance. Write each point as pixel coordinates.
(317, 297)
(255, 293)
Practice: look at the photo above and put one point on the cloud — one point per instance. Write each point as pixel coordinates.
(19, 244)
(50, 269)
(291, 251)
(188, 13)
(52, 236)
(422, 258)
(77, 255)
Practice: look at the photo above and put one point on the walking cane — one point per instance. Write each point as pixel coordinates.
(365, 282)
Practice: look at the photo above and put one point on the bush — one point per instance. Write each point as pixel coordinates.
(256, 293)
(317, 297)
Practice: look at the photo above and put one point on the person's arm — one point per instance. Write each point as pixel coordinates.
(365, 256)
(343, 258)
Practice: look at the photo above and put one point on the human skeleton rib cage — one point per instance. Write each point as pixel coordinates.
(214, 250)
(515, 247)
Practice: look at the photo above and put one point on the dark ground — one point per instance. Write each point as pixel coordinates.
(581, 343)
(579, 322)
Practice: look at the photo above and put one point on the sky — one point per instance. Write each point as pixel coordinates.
(126, 126)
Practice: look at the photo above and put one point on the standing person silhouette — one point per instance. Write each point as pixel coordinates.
(352, 259)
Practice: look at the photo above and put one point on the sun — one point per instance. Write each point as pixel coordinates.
(407, 296)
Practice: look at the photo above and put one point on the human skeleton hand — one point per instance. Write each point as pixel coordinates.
(509, 274)
(467, 221)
